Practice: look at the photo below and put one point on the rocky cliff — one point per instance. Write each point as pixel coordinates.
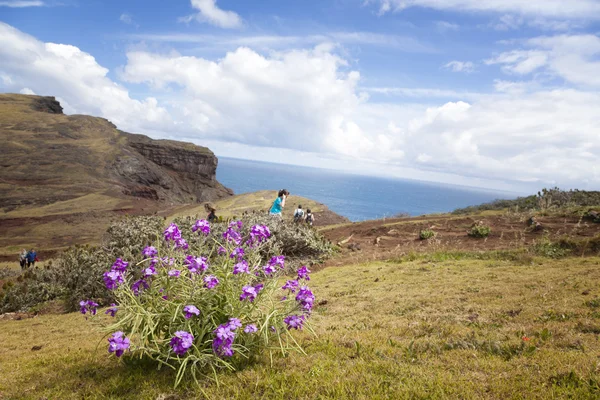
(49, 157)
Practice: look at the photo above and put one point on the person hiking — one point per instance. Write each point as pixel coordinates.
(299, 214)
(212, 216)
(279, 203)
(23, 258)
(31, 258)
(310, 217)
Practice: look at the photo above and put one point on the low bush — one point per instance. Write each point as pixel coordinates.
(207, 302)
(479, 231)
(426, 234)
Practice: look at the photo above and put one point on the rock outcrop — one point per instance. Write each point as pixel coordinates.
(48, 157)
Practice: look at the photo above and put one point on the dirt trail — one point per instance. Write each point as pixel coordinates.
(382, 239)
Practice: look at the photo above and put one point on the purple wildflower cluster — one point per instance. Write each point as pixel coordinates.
(88, 306)
(112, 310)
(241, 268)
(196, 264)
(150, 271)
(237, 253)
(294, 321)
(210, 281)
(232, 234)
(250, 292)
(292, 286)
(138, 286)
(149, 252)
(181, 342)
(172, 233)
(221, 251)
(201, 226)
(174, 273)
(224, 336)
(190, 311)
(251, 328)
(277, 261)
(303, 273)
(306, 298)
(259, 234)
(116, 275)
(118, 343)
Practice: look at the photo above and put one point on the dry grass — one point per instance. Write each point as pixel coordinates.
(420, 329)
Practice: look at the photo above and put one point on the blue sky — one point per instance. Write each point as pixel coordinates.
(493, 93)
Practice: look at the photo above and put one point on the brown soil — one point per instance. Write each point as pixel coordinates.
(379, 240)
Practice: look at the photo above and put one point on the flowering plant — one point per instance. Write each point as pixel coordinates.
(205, 303)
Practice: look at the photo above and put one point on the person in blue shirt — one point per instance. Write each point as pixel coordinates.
(279, 203)
(31, 258)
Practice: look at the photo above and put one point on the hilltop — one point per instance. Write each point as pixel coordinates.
(62, 178)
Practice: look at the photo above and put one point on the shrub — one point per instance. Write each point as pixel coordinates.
(32, 287)
(426, 234)
(207, 302)
(479, 231)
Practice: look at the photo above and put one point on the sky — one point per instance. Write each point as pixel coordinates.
(501, 94)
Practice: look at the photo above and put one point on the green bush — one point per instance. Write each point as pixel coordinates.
(479, 231)
(426, 234)
(207, 302)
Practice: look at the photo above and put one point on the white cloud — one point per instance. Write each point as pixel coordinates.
(26, 91)
(21, 3)
(311, 101)
(576, 9)
(209, 12)
(444, 26)
(570, 57)
(73, 75)
(403, 43)
(461, 66)
(126, 18)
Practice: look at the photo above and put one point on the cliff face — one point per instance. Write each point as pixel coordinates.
(48, 157)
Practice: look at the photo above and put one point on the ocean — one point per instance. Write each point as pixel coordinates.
(356, 197)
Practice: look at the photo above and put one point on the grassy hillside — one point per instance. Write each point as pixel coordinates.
(456, 329)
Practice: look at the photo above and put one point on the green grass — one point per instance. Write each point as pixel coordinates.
(416, 329)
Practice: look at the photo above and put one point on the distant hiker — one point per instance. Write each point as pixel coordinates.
(31, 258)
(23, 258)
(310, 217)
(279, 203)
(299, 214)
(212, 216)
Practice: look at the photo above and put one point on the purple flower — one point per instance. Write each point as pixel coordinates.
(237, 253)
(172, 233)
(120, 265)
(294, 321)
(174, 273)
(250, 328)
(149, 252)
(196, 264)
(148, 272)
(112, 279)
(303, 273)
(236, 225)
(181, 342)
(190, 311)
(165, 297)
(118, 343)
(112, 310)
(292, 286)
(232, 235)
(269, 269)
(182, 244)
(88, 306)
(241, 268)
(221, 251)
(259, 233)
(277, 261)
(248, 292)
(202, 226)
(210, 281)
(138, 286)
(167, 261)
(306, 298)
(224, 337)
(234, 323)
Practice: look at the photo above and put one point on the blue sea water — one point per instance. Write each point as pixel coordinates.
(354, 196)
